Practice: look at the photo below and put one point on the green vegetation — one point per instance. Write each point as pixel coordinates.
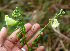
(39, 11)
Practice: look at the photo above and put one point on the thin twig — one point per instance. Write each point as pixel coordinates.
(63, 46)
(55, 44)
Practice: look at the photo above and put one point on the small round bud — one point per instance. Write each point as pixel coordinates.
(19, 14)
(40, 36)
(63, 12)
(23, 43)
(19, 35)
(14, 13)
(33, 42)
(50, 20)
(60, 15)
(36, 44)
(56, 14)
(16, 7)
(35, 39)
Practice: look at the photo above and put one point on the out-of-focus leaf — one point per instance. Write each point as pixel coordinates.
(27, 17)
(48, 28)
(44, 37)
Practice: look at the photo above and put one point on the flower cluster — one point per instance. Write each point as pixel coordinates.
(16, 13)
(55, 23)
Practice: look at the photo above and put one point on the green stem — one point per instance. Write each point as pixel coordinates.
(24, 33)
(45, 27)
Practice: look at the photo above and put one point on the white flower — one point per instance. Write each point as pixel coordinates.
(55, 23)
(9, 21)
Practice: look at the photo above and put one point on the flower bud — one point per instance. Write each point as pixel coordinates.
(60, 15)
(63, 12)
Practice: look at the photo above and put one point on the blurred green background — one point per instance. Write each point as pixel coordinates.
(38, 11)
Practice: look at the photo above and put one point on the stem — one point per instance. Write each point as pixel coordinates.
(24, 33)
(48, 24)
(45, 27)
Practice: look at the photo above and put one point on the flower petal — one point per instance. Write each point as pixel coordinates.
(9, 21)
(55, 23)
